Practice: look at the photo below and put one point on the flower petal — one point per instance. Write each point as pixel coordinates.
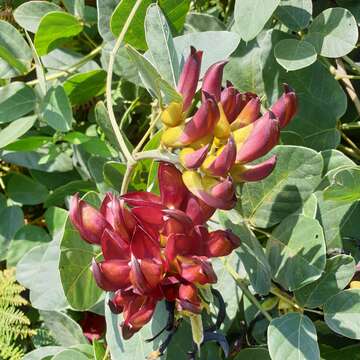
(212, 80)
(141, 198)
(192, 159)
(221, 243)
(286, 107)
(114, 246)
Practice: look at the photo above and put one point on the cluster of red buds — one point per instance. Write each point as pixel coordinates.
(154, 248)
(225, 135)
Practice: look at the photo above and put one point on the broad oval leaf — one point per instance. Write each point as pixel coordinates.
(295, 14)
(345, 186)
(293, 54)
(15, 53)
(77, 279)
(250, 251)
(68, 354)
(29, 14)
(296, 252)
(293, 337)
(16, 100)
(296, 175)
(25, 239)
(342, 313)
(252, 15)
(55, 28)
(56, 110)
(339, 271)
(17, 128)
(38, 271)
(333, 33)
(25, 190)
(161, 44)
(43, 352)
(253, 353)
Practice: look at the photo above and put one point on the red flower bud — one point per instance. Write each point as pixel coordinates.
(87, 220)
(197, 270)
(189, 299)
(202, 123)
(264, 135)
(189, 77)
(221, 243)
(286, 107)
(212, 80)
(192, 159)
(248, 114)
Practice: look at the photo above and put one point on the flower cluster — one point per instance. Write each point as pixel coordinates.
(226, 133)
(154, 247)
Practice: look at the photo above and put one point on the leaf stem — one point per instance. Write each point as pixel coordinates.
(351, 63)
(71, 69)
(285, 297)
(156, 155)
(351, 126)
(243, 285)
(109, 102)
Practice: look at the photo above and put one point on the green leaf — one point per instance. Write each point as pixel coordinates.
(205, 41)
(29, 14)
(24, 240)
(197, 22)
(28, 143)
(251, 16)
(135, 36)
(161, 44)
(342, 313)
(316, 119)
(295, 14)
(25, 190)
(253, 354)
(55, 219)
(333, 33)
(250, 252)
(54, 29)
(77, 279)
(81, 88)
(56, 109)
(175, 12)
(11, 220)
(52, 180)
(296, 175)
(69, 354)
(345, 186)
(58, 196)
(149, 75)
(349, 352)
(228, 288)
(75, 7)
(114, 173)
(293, 54)
(16, 129)
(339, 271)
(16, 100)
(15, 53)
(292, 337)
(105, 8)
(63, 328)
(99, 350)
(353, 6)
(38, 271)
(43, 352)
(296, 252)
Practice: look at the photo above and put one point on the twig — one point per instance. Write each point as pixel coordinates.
(348, 85)
(109, 102)
(147, 134)
(71, 69)
(351, 63)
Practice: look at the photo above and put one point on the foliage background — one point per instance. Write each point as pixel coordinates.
(299, 227)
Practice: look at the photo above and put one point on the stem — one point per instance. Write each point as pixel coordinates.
(106, 353)
(71, 69)
(109, 102)
(127, 177)
(244, 287)
(351, 126)
(147, 134)
(285, 297)
(156, 155)
(349, 151)
(350, 142)
(351, 63)
(128, 111)
(348, 85)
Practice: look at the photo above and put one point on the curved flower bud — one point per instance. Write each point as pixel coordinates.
(171, 137)
(248, 114)
(172, 115)
(224, 160)
(114, 246)
(192, 159)
(221, 243)
(198, 211)
(188, 299)
(111, 275)
(172, 188)
(256, 139)
(189, 77)
(212, 80)
(87, 220)
(215, 193)
(242, 173)
(222, 127)
(230, 101)
(202, 123)
(197, 270)
(286, 107)
(141, 198)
